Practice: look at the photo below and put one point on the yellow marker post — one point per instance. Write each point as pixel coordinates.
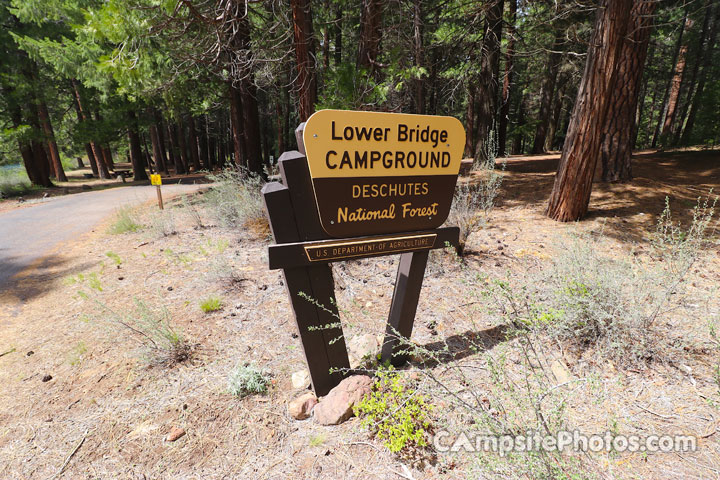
(157, 181)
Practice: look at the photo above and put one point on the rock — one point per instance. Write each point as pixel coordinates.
(301, 379)
(363, 346)
(30, 353)
(337, 406)
(175, 433)
(561, 372)
(302, 406)
(47, 378)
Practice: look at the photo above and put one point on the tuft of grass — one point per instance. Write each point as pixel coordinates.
(125, 222)
(211, 304)
(248, 379)
(114, 257)
(162, 223)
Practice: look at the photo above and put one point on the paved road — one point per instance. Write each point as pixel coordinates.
(28, 234)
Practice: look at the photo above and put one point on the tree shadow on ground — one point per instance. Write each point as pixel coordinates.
(462, 345)
(28, 281)
(629, 210)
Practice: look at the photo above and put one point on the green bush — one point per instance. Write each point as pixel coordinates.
(14, 182)
(397, 415)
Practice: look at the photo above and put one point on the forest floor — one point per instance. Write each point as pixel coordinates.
(80, 398)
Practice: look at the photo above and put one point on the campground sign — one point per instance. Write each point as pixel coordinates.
(376, 173)
(361, 185)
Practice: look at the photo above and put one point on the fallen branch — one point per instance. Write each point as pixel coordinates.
(9, 351)
(67, 460)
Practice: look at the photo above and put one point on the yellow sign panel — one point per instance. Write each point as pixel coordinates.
(155, 180)
(373, 144)
(376, 173)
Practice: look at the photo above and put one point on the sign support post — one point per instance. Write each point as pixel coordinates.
(157, 181)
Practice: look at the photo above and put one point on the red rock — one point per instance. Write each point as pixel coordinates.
(302, 406)
(337, 406)
(175, 433)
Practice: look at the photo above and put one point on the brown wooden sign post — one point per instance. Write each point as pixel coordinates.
(309, 210)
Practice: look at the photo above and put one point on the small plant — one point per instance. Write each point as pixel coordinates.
(211, 304)
(149, 327)
(193, 212)
(114, 257)
(397, 415)
(162, 224)
(317, 440)
(125, 222)
(474, 200)
(248, 379)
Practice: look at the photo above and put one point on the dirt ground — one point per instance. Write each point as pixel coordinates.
(105, 411)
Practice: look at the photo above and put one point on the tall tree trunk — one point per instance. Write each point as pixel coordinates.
(174, 150)
(556, 118)
(620, 125)
(338, 35)
(326, 41)
(675, 88)
(547, 92)
(470, 116)
(202, 142)
(573, 183)
(104, 149)
(236, 126)
(44, 117)
(706, 66)
(507, 81)
(161, 136)
(182, 144)
(305, 57)
(692, 83)
(23, 145)
(136, 158)
(418, 54)
(370, 35)
(489, 73)
(193, 143)
(517, 145)
(663, 111)
(97, 157)
(157, 152)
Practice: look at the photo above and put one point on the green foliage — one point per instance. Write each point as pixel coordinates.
(125, 222)
(211, 304)
(248, 379)
(114, 257)
(14, 182)
(395, 413)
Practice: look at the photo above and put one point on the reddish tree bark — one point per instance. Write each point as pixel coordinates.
(489, 73)
(706, 66)
(193, 143)
(305, 57)
(675, 87)
(47, 128)
(97, 157)
(136, 157)
(547, 92)
(620, 125)
(370, 35)
(573, 182)
(507, 81)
